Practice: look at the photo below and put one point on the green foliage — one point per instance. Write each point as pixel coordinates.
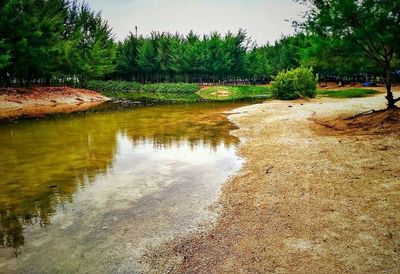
(155, 97)
(165, 57)
(270, 59)
(170, 88)
(234, 93)
(133, 87)
(347, 93)
(4, 58)
(365, 31)
(30, 33)
(113, 86)
(294, 83)
(161, 92)
(91, 49)
(44, 40)
(333, 56)
(209, 58)
(176, 92)
(53, 39)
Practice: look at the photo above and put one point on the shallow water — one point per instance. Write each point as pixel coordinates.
(90, 192)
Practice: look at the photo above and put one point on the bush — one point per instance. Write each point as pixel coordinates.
(295, 83)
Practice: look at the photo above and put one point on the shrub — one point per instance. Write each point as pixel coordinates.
(295, 83)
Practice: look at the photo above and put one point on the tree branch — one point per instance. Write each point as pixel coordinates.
(367, 52)
(374, 48)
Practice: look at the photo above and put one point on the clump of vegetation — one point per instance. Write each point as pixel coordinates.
(170, 88)
(347, 93)
(235, 93)
(113, 86)
(154, 97)
(160, 92)
(124, 86)
(373, 42)
(294, 83)
(177, 92)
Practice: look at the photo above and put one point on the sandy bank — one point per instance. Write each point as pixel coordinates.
(309, 199)
(40, 101)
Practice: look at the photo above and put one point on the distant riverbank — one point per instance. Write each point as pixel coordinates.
(178, 92)
(41, 101)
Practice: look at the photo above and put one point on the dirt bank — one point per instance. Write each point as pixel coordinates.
(40, 101)
(310, 198)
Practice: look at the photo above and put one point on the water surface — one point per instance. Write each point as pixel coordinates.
(89, 192)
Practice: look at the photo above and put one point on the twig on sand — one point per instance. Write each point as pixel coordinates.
(360, 114)
(268, 169)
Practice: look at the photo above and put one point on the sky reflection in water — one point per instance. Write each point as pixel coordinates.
(108, 182)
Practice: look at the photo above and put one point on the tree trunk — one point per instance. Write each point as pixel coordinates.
(81, 80)
(28, 79)
(389, 93)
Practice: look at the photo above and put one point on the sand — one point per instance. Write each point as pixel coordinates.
(41, 101)
(310, 198)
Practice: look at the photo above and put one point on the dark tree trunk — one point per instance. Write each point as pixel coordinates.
(389, 93)
(81, 81)
(28, 79)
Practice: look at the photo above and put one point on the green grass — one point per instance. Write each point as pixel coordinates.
(177, 92)
(154, 97)
(147, 93)
(123, 86)
(235, 93)
(347, 93)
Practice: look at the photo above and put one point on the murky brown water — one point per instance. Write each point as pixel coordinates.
(89, 193)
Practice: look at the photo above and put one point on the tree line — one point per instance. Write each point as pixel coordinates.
(53, 41)
(43, 40)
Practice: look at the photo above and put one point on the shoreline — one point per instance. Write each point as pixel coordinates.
(37, 102)
(308, 198)
(41, 101)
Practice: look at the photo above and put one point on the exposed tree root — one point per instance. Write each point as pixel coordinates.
(370, 122)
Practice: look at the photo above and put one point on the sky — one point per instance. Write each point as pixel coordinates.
(264, 20)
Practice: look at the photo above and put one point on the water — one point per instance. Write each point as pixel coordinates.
(90, 192)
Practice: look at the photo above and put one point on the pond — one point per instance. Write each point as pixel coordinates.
(90, 192)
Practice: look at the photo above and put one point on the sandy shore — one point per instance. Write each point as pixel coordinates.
(310, 199)
(40, 101)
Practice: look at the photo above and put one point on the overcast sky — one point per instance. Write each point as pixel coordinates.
(264, 20)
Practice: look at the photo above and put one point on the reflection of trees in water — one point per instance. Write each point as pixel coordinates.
(44, 163)
(196, 124)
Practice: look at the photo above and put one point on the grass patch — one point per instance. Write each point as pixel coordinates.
(235, 93)
(154, 93)
(177, 92)
(347, 93)
(157, 97)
